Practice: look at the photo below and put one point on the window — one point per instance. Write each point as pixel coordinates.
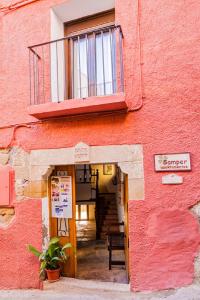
(92, 56)
(87, 62)
(94, 71)
(85, 212)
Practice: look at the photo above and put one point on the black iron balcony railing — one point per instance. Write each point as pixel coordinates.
(78, 66)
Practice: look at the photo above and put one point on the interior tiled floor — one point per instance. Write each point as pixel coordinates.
(92, 256)
(92, 261)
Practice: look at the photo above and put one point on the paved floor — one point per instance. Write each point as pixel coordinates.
(92, 263)
(75, 289)
(92, 256)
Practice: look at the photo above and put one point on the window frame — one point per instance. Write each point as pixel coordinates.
(73, 34)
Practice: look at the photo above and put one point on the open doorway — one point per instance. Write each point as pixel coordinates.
(101, 223)
(89, 208)
(128, 162)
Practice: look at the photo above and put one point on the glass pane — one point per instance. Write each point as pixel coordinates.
(107, 62)
(99, 66)
(77, 212)
(113, 57)
(76, 71)
(91, 65)
(80, 68)
(94, 64)
(83, 212)
(83, 67)
(92, 212)
(104, 64)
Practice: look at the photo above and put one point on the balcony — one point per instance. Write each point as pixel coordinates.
(77, 74)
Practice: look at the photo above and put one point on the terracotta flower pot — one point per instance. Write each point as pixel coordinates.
(53, 275)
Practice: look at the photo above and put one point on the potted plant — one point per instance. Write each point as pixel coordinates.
(51, 259)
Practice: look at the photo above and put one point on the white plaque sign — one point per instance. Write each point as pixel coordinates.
(81, 152)
(172, 179)
(172, 162)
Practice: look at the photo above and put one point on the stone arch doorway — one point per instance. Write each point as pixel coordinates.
(129, 158)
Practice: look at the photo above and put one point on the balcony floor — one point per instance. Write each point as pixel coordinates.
(78, 106)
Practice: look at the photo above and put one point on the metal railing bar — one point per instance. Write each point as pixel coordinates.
(98, 30)
(33, 62)
(57, 79)
(72, 68)
(121, 63)
(50, 75)
(87, 62)
(31, 49)
(111, 48)
(30, 77)
(114, 58)
(95, 65)
(102, 46)
(79, 64)
(43, 73)
(65, 69)
(35, 79)
(83, 48)
(38, 81)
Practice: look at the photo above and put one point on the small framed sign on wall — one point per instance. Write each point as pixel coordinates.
(172, 162)
(108, 169)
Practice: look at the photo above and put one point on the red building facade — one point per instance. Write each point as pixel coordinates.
(148, 105)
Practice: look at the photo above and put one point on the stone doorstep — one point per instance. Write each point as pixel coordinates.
(65, 282)
(66, 290)
(190, 292)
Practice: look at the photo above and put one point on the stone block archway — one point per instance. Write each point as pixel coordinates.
(128, 157)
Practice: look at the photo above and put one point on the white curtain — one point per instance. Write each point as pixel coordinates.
(104, 64)
(80, 69)
(94, 65)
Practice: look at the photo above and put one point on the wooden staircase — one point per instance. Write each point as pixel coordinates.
(109, 218)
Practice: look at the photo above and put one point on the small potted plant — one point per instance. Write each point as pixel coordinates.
(51, 259)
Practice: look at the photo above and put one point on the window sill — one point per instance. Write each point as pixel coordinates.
(78, 106)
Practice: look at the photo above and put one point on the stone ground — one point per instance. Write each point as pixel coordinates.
(92, 263)
(75, 289)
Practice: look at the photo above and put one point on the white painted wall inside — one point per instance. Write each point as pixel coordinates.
(57, 59)
(105, 181)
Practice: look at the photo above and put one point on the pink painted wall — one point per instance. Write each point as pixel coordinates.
(162, 70)
(19, 269)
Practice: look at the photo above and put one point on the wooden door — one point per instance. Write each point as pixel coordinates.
(126, 225)
(57, 226)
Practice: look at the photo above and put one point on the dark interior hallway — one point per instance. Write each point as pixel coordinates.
(99, 210)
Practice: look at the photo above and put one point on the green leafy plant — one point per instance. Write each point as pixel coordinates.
(51, 258)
